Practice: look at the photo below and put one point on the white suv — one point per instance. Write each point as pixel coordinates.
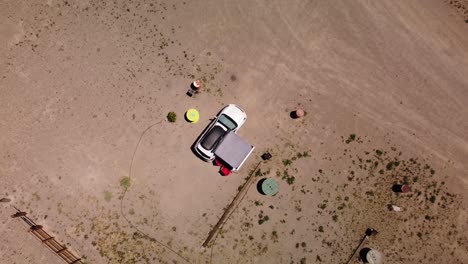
(230, 118)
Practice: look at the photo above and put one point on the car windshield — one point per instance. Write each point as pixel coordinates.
(227, 122)
(212, 137)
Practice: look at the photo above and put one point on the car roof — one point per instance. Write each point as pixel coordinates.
(212, 137)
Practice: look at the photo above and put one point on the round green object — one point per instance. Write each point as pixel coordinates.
(270, 187)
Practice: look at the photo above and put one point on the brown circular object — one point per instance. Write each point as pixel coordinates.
(405, 188)
(300, 113)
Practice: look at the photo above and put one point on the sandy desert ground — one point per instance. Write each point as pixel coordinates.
(384, 85)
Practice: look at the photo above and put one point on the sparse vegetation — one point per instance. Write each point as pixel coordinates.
(171, 117)
(351, 138)
(389, 165)
(405, 180)
(107, 196)
(36, 196)
(287, 162)
(258, 173)
(290, 180)
(303, 154)
(125, 182)
(274, 236)
(262, 218)
(285, 176)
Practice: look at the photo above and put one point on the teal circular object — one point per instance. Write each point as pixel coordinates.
(270, 187)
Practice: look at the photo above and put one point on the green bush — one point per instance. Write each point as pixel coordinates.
(172, 117)
(125, 182)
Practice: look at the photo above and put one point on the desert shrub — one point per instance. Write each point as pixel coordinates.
(125, 182)
(171, 117)
(107, 196)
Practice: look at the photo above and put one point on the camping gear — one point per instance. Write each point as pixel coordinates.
(269, 187)
(233, 151)
(403, 188)
(191, 92)
(299, 113)
(224, 171)
(266, 156)
(218, 163)
(371, 256)
(369, 232)
(192, 115)
(195, 87)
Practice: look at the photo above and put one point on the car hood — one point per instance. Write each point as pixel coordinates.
(236, 114)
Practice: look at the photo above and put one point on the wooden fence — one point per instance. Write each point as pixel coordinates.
(48, 240)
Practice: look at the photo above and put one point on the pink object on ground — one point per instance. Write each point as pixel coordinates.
(225, 171)
(300, 113)
(405, 188)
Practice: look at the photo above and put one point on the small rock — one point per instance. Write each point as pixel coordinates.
(393, 207)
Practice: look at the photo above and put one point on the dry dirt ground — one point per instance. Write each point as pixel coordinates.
(384, 84)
